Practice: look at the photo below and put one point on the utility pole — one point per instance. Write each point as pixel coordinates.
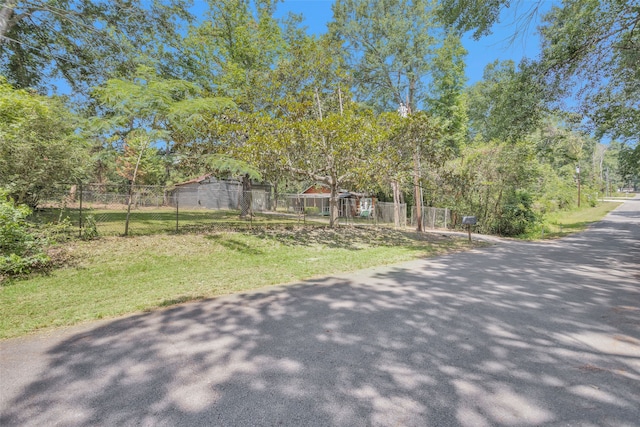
(578, 175)
(416, 187)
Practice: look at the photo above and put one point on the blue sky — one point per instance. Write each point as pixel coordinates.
(317, 13)
(480, 53)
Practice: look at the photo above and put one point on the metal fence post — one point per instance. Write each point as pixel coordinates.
(177, 196)
(80, 211)
(412, 215)
(433, 224)
(445, 218)
(250, 196)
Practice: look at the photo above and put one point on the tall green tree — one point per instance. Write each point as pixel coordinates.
(143, 112)
(237, 52)
(305, 80)
(591, 51)
(594, 45)
(447, 99)
(391, 46)
(233, 51)
(39, 145)
(334, 148)
(506, 104)
(312, 131)
(86, 42)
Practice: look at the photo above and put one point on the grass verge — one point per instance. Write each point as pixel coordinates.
(562, 223)
(115, 276)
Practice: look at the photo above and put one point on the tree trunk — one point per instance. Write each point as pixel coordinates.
(417, 191)
(275, 196)
(129, 199)
(396, 203)
(6, 12)
(246, 199)
(333, 206)
(131, 183)
(416, 187)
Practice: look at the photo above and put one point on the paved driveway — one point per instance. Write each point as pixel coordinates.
(515, 334)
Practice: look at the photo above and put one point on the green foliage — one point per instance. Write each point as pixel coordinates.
(57, 232)
(594, 44)
(39, 147)
(555, 192)
(446, 98)
(249, 94)
(312, 210)
(235, 50)
(516, 216)
(20, 250)
(85, 42)
(629, 162)
(507, 104)
(391, 46)
(90, 228)
(472, 15)
(425, 132)
(224, 164)
(494, 182)
(335, 151)
(145, 112)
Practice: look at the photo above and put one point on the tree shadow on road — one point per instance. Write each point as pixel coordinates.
(509, 335)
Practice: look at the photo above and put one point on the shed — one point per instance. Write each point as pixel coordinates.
(209, 192)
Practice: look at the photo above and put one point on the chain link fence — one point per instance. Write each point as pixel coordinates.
(361, 210)
(385, 214)
(433, 217)
(109, 210)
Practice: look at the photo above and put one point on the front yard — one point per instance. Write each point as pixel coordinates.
(114, 276)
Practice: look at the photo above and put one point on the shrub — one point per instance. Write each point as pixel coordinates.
(90, 229)
(312, 210)
(517, 215)
(20, 250)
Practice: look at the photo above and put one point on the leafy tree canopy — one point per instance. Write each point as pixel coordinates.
(507, 103)
(390, 45)
(593, 48)
(39, 145)
(85, 42)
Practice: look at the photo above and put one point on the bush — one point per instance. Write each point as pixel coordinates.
(56, 232)
(20, 250)
(312, 210)
(517, 215)
(90, 229)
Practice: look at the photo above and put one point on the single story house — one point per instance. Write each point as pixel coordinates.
(315, 199)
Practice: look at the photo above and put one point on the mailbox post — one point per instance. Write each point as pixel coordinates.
(469, 221)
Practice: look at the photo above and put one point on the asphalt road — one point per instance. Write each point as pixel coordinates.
(518, 334)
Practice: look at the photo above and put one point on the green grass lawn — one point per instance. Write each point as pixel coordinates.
(558, 224)
(114, 276)
(147, 221)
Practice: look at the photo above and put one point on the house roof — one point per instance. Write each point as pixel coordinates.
(213, 179)
(317, 189)
(195, 180)
(322, 190)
